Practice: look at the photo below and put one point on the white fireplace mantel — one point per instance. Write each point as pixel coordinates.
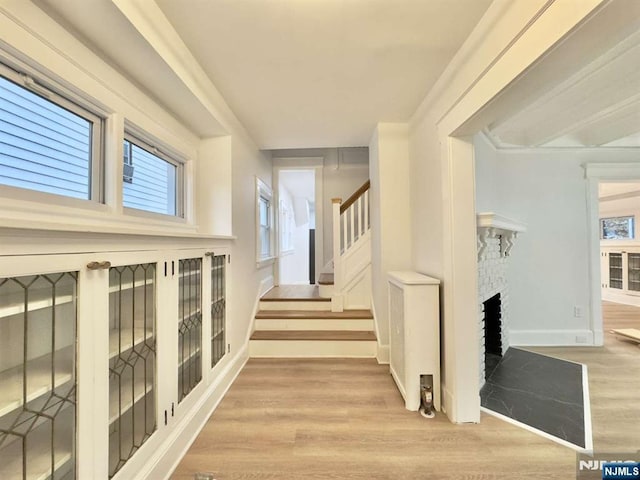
(492, 225)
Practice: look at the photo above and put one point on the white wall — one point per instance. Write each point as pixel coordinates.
(344, 170)
(294, 265)
(549, 263)
(390, 216)
(488, 192)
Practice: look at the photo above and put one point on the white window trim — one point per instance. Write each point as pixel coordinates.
(143, 140)
(33, 210)
(264, 191)
(41, 85)
(631, 219)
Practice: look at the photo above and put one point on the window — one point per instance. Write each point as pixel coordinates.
(617, 228)
(49, 144)
(264, 223)
(152, 180)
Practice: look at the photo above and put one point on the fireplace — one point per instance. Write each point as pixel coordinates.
(492, 334)
(496, 237)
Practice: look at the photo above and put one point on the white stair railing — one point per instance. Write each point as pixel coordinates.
(351, 222)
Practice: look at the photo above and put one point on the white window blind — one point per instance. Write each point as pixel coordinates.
(47, 144)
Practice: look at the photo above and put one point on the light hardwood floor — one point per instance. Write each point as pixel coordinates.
(344, 419)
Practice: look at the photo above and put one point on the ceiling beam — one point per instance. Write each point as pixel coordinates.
(586, 96)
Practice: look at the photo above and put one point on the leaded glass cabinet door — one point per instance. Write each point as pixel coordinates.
(189, 325)
(633, 272)
(615, 270)
(38, 321)
(218, 308)
(132, 360)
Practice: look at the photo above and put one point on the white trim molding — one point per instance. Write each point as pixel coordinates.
(612, 171)
(556, 338)
(492, 225)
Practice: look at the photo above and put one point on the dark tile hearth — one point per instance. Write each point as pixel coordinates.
(542, 392)
(490, 363)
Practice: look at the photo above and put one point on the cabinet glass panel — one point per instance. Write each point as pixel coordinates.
(132, 360)
(38, 376)
(634, 271)
(189, 326)
(218, 308)
(615, 270)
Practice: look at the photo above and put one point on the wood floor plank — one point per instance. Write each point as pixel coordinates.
(294, 293)
(304, 419)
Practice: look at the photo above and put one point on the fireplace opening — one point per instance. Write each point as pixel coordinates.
(492, 334)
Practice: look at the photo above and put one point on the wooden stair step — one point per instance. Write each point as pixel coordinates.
(315, 299)
(325, 279)
(294, 293)
(314, 314)
(322, 335)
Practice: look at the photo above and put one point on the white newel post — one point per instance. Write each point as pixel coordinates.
(336, 298)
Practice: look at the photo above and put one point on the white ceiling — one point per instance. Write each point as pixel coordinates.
(584, 93)
(300, 183)
(318, 73)
(297, 74)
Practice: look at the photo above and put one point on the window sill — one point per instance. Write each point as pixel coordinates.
(91, 218)
(265, 262)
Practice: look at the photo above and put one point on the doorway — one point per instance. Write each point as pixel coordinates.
(296, 226)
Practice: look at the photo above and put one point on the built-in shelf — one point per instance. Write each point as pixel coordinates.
(217, 334)
(129, 337)
(131, 285)
(14, 304)
(191, 315)
(38, 379)
(39, 452)
(126, 434)
(127, 398)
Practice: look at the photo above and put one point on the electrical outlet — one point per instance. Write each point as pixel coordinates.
(578, 311)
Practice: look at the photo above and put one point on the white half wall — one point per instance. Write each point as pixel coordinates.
(390, 214)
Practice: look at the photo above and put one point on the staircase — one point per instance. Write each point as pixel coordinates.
(349, 285)
(297, 322)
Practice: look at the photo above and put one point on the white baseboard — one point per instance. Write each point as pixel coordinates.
(265, 285)
(168, 456)
(551, 338)
(617, 297)
(383, 354)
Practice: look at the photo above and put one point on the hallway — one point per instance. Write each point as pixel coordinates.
(338, 418)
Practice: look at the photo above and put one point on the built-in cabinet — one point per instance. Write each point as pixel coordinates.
(620, 273)
(620, 270)
(100, 353)
(38, 317)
